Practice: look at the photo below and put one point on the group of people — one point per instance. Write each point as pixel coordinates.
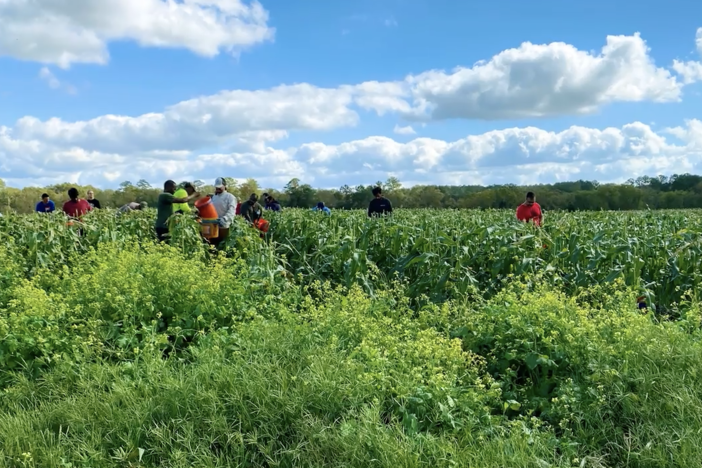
(378, 206)
(176, 199)
(75, 207)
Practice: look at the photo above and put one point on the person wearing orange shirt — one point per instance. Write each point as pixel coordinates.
(530, 210)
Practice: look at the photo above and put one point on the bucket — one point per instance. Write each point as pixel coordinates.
(262, 225)
(206, 208)
(209, 229)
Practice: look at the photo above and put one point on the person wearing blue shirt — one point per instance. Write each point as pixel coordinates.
(320, 207)
(46, 205)
(272, 204)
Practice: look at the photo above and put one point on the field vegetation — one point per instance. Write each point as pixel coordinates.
(433, 338)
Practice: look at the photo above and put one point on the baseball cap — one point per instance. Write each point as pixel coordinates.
(220, 182)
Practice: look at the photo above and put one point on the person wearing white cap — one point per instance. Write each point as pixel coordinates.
(225, 204)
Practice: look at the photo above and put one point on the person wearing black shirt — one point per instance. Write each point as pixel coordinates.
(379, 205)
(92, 201)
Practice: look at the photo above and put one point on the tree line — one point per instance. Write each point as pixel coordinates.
(674, 192)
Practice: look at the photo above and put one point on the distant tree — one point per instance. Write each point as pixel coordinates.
(660, 192)
(393, 184)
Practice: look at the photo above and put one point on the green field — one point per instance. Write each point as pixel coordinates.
(433, 338)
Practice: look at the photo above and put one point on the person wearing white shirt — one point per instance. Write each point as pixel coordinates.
(225, 204)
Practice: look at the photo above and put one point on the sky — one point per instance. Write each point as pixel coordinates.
(339, 92)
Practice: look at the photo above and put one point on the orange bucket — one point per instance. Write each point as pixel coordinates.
(206, 208)
(209, 229)
(262, 225)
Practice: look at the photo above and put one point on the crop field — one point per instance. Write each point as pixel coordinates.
(431, 338)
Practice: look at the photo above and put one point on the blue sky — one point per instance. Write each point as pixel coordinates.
(198, 99)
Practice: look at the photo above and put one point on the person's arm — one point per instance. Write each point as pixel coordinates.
(184, 200)
(229, 214)
(97, 204)
(389, 207)
(36, 207)
(52, 206)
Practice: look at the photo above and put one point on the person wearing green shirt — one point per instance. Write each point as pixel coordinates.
(251, 210)
(164, 207)
(184, 191)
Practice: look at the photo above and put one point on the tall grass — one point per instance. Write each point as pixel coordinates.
(429, 339)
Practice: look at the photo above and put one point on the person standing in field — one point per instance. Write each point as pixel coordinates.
(320, 207)
(164, 207)
(225, 204)
(46, 205)
(186, 189)
(379, 205)
(75, 207)
(251, 210)
(94, 203)
(530, 210)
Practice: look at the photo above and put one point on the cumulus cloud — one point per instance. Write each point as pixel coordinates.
(511, 155)
(690, 71)
(541, 81)
(79, 31)
(252, 116)
(240, 132)
(408, 130)
(530, 81)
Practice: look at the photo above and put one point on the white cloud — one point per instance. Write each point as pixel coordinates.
(690, 71)
(223, 118)
(53, 82)
(511, 155)
(530, 81)
(240, 132)
(408, 130)
(391, 22)
(78, 31)
(542, 81)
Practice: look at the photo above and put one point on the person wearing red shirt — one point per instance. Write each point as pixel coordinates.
(530, 210)
(76, 207)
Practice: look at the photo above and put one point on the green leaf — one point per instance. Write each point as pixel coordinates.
(532, 360)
